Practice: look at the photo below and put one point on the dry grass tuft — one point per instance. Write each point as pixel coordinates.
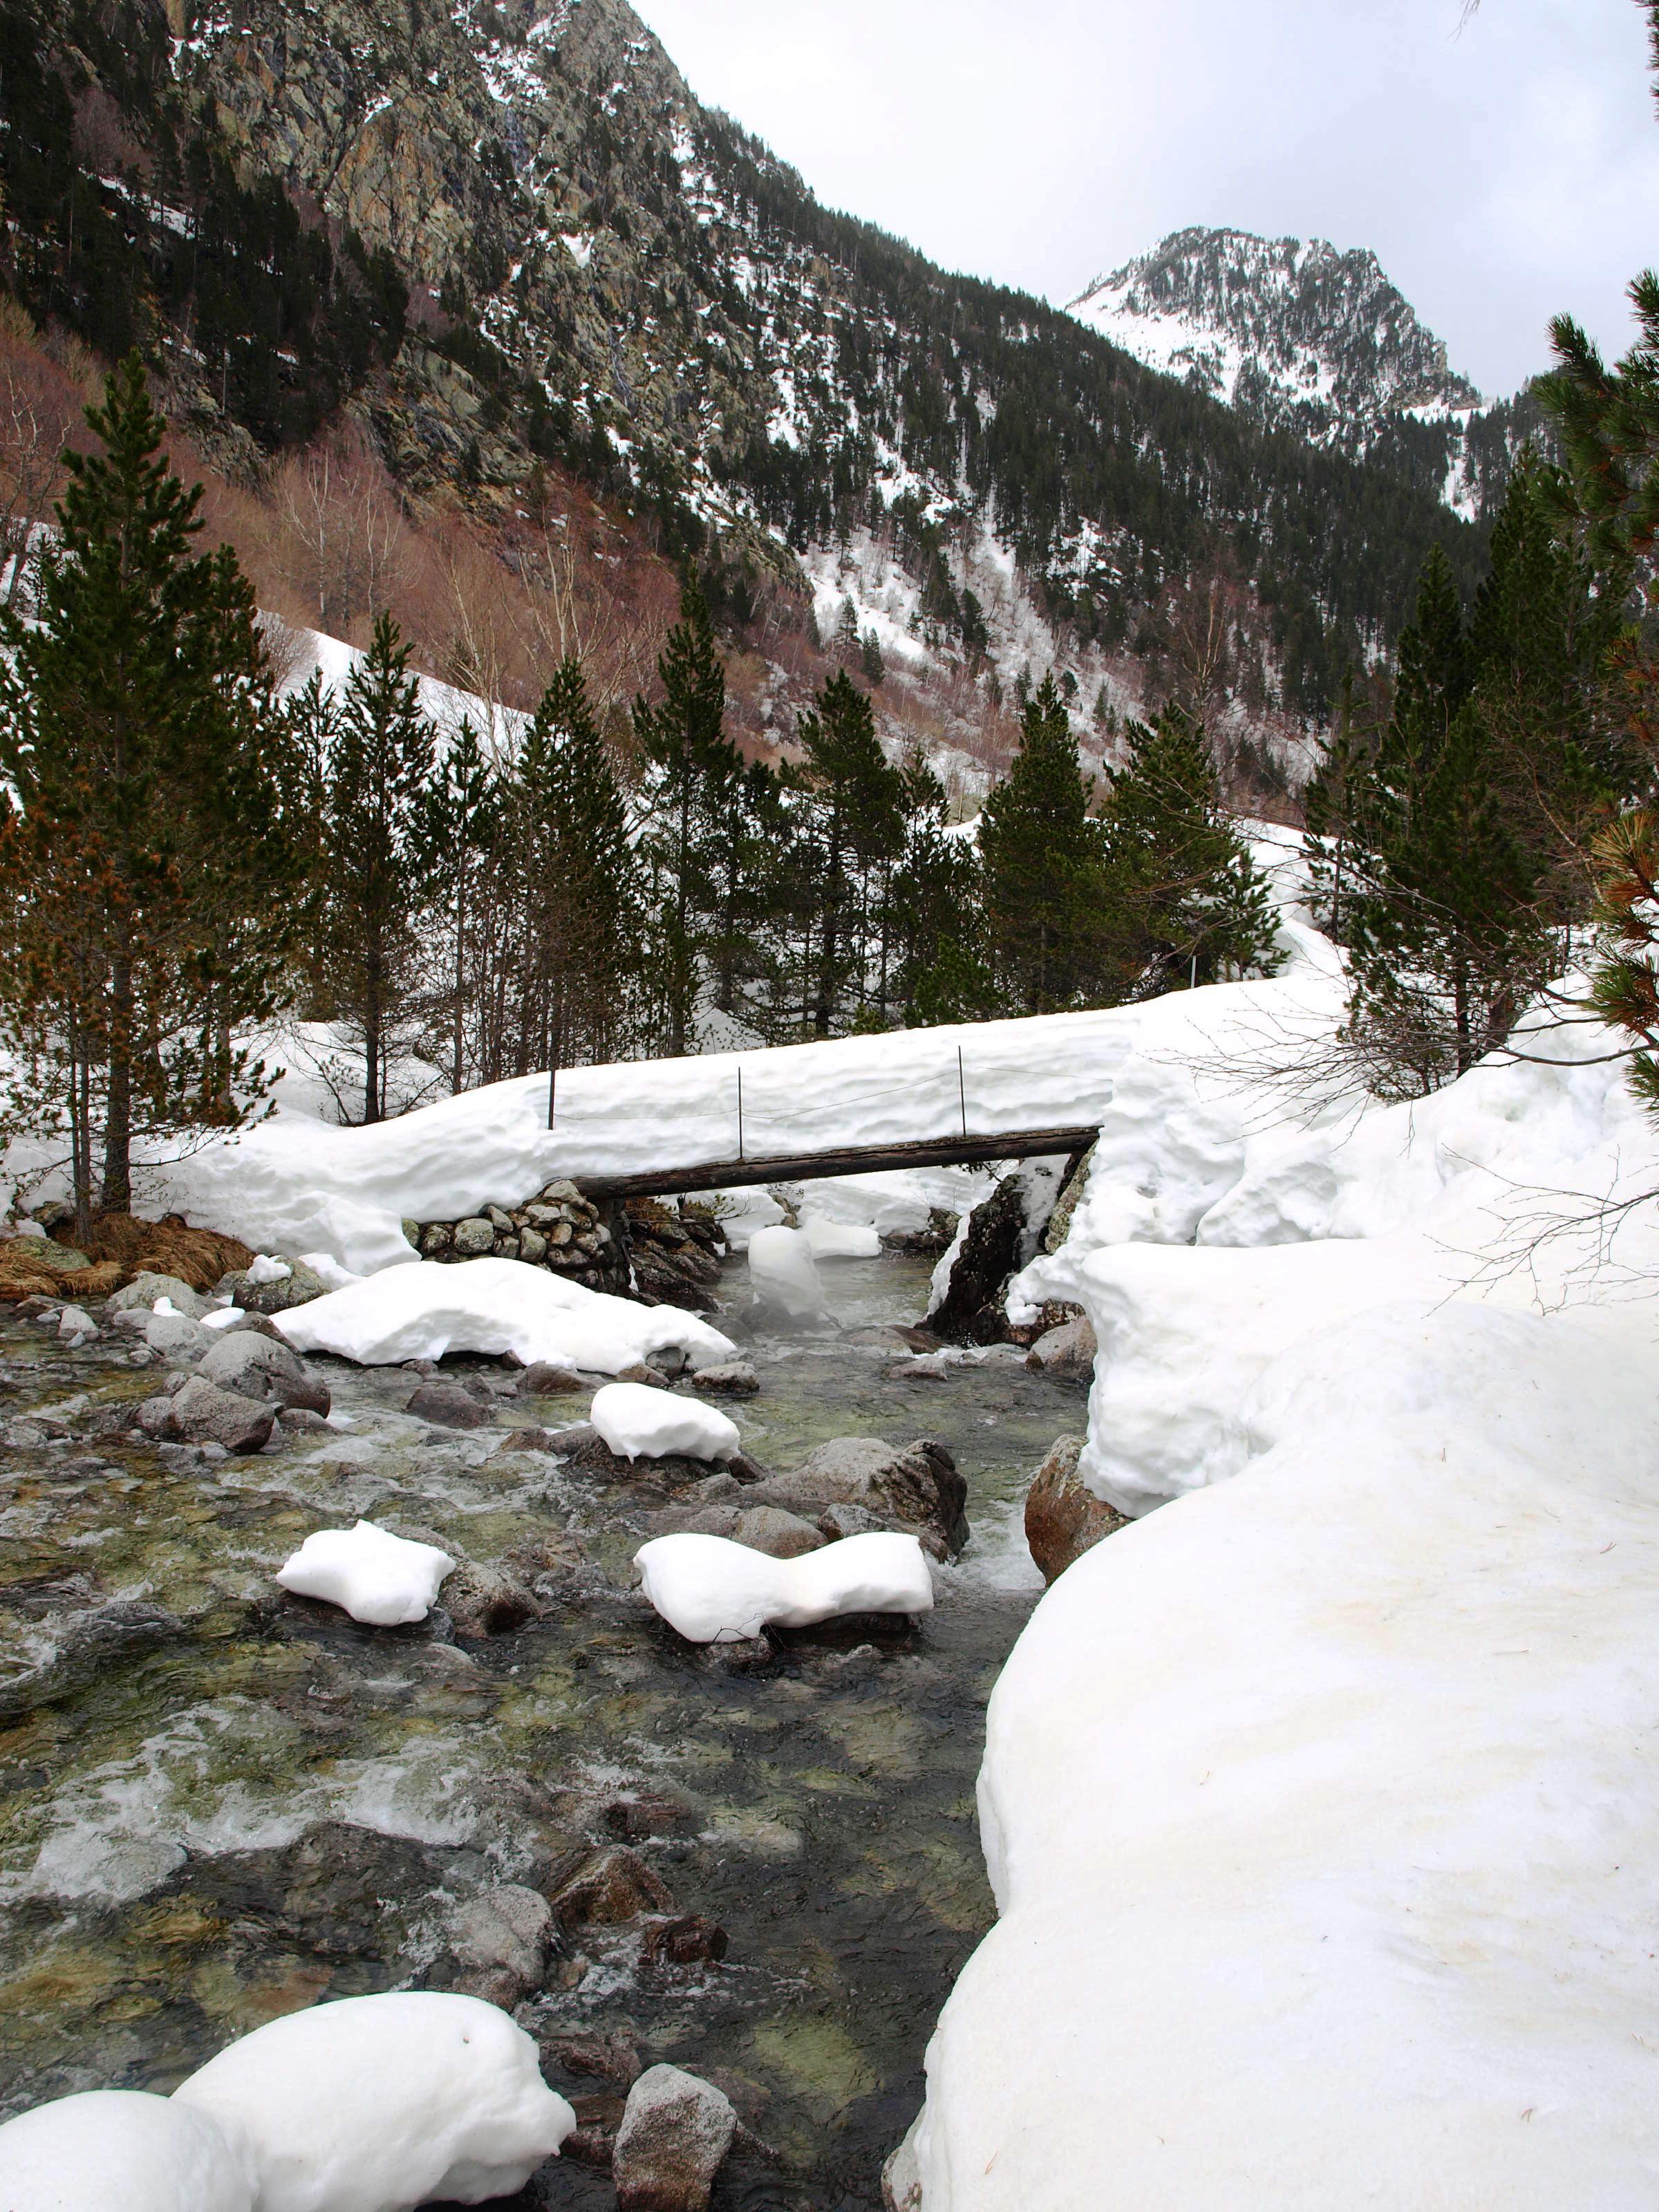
(170, 1247)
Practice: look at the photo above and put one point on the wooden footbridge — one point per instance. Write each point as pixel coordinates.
(961, 1146)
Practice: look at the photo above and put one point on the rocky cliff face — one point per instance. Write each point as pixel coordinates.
(1301, 337)
(601, 273)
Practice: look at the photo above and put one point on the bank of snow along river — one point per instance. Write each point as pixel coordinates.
(221, 1804)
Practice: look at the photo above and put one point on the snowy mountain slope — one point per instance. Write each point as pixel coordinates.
(1304, 338)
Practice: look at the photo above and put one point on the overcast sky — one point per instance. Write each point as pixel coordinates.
(1501, 175)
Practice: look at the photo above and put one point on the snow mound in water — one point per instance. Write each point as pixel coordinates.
(424, 1310)
(111, 2149)
(377, 1578)
(714, 1591)
(839, 1240)
(637, 1421)
(1313, 1810)
(375, 2104)
(781, 1268)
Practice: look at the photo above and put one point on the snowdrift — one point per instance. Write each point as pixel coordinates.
(1316, 1811)
(423, 1310)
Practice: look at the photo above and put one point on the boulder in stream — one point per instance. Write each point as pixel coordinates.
(675, 2133)
(202, 1414)
(915, 1487)
(613, 1886)
(1067, 1352)
(1063, 1517)
(255, 1367)
(501, 1938)
(447, 1405)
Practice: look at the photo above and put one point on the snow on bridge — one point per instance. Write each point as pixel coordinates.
(982, 1090)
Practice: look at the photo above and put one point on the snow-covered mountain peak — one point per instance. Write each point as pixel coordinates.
(1289, 330)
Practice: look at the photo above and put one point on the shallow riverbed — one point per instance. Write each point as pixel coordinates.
(217, 1804)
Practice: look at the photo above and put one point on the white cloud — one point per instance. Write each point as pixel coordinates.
(1501, 174)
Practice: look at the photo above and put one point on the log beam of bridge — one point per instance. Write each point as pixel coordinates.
(859, 1159)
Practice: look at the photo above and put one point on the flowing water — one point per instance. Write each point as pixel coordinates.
(218, 1804)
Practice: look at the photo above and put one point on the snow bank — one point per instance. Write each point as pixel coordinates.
(714, 1591)
(839, 1240)
(118, 2147)
(1296, 1229)
(375, 2104)
(1327, 1861)
(424, 1310)
(375, 1576)
(636, 1420)
(782, 1268)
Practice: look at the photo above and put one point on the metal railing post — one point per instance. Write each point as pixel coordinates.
(962, 1091)
(739, 1116)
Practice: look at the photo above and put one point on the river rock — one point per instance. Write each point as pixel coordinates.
(141, 1293)
(615, 1884)
(202, 1414)
(670, 1942)
(474, 1237)
(487, 1601)
(1063, 1517)
(257, 1367)
(76, 1326)
(300, 1421)
(1067, 1352)
(600, 2057)
(779, 1534)
(915, 1486)
(900, 2178)
(501, 1938)
(542, 1378)
(449, 1405)
(733, 1379)
(675, 2131)
(299, 1287)
(175, 1336)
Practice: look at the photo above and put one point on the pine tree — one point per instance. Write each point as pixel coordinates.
(1609, 422)
(852, 827)
(576, 872)
(1042, 857)
(1494, 771)
(146, 863)
(456, 821)
(704, 843)
(1336, 804)
(378, 772)
(939, 912)
(1187, 903)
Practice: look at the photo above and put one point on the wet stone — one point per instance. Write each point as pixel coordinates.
(449, 1404)
(674, 2136)
(614, 1885)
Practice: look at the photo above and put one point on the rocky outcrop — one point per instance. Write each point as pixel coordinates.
(1063, 1517)
(1003, 1234)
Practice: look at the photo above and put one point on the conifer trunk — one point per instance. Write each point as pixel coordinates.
(118, 1115)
